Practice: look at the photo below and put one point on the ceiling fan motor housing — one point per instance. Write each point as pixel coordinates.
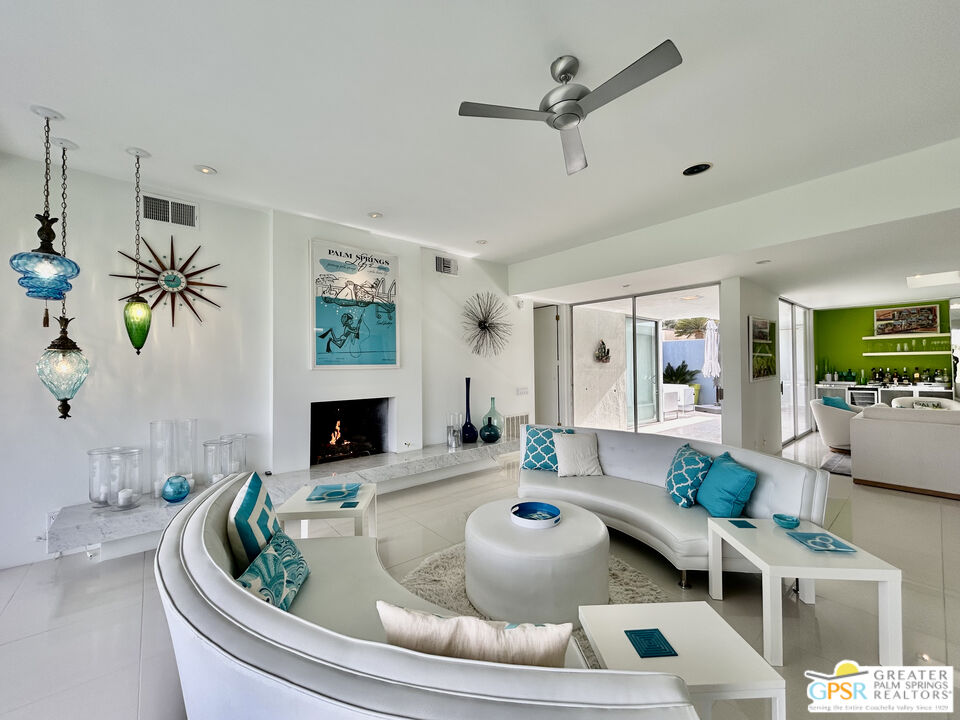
(563, 103)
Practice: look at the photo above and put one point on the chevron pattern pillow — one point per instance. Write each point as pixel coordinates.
(686, 474)
(277, 573)
(251, 521)
(539, 452)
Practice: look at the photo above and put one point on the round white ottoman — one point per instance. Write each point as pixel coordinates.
(524, 575)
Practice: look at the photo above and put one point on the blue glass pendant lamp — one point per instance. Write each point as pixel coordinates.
(46, 273)
(62, 368)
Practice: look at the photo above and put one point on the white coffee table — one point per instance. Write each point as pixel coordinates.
(714, 661)
(521, 574)
(364, 515)
(779, 556)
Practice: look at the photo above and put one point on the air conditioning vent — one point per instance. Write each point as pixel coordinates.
(447, 266)
(169, 211)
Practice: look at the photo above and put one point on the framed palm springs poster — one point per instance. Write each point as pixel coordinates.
(763, 348)
(354, 306)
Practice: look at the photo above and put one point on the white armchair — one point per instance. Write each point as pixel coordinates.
(834, 425)
(907, 402)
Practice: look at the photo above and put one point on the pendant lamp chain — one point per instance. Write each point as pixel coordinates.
(46, 166)
(63, 214)
(137, 225)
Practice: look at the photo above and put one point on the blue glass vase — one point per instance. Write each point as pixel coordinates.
(175, 489)
(468, 433)
(489, 433)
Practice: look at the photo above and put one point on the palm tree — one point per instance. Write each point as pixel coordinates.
(686, 327)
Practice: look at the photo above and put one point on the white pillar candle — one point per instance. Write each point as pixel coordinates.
(125, 497)
(104, 493)
(216, 478)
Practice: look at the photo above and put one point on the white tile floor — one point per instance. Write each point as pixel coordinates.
(87, 640)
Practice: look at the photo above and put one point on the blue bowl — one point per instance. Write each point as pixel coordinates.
(786, 521)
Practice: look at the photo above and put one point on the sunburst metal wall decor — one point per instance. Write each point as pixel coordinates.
(485, 324)
(172, 281)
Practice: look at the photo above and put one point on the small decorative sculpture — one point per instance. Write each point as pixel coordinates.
(602, 353)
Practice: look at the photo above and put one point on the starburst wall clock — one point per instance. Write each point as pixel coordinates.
(174, 281)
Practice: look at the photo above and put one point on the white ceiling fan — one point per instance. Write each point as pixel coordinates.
(566, 106)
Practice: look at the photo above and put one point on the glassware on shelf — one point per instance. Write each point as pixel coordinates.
(216, 460)
(173, 450)
(115, 477)
(494, 417)
(238, 451)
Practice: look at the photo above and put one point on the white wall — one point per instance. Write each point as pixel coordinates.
(751, 410)
(218, 372)
(447, 359)
(600, 389)
(295, 383)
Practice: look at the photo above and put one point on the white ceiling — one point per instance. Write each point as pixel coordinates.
(702, 301)
(334, 109)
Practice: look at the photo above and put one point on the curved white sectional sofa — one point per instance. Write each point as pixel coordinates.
(327, 657)
(631, 497)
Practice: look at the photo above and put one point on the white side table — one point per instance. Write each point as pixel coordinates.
(364, 515)
(777, 556)
(714, 661)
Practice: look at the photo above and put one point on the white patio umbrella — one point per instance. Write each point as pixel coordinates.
(711, 352)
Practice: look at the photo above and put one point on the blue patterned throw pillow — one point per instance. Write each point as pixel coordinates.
(277, 573)
(539, 453)
(251, 521)
(686, 473)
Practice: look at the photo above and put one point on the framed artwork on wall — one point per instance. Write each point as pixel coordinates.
(915, 319)
(763, 348)
(354, 306)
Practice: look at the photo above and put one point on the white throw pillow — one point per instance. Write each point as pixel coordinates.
(577, 455)
(475, 639)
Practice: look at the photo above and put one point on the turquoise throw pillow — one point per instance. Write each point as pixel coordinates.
(278, 572)
(539, 453)
(251, 521)
(686, 473)
(726, 488)
(836, 402)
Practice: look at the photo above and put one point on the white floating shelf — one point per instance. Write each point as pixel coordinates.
(909, 352)
(905, 336)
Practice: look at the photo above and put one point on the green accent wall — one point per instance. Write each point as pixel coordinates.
(838, 343)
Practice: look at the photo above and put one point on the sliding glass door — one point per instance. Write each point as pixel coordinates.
(794, 351)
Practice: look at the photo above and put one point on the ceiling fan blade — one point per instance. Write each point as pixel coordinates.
(663, 57)
(573, 155)
(503, 112)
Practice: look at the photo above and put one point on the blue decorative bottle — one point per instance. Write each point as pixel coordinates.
(468, 433)
(489, 433)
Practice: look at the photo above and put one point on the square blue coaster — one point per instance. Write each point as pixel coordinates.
(650, 643)
(350, 504)
(742, 524)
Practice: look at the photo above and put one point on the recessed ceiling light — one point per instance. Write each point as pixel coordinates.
(375, 214)
(951, 277)
(764, 262)
(690, 297)
(697, 169)
(481, 242)
(626, 285)
(205, 169)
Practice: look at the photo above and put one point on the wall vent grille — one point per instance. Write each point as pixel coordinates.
(169, 211)
(446, 266)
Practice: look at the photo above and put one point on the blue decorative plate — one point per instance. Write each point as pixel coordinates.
(329, 493)
(535, 515)
(786, 521)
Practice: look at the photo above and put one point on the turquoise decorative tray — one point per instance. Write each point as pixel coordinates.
(535, 515)
(331, 493)
(821, 542)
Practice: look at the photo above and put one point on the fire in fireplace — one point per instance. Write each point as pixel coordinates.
(347, 428)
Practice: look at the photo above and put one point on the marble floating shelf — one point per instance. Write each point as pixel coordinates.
(135, 530)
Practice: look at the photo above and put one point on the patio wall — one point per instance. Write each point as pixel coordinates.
(691, 351)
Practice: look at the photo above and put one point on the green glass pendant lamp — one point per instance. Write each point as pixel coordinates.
(63, 367)
(137, 312)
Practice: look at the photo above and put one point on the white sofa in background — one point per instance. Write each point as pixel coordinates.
(327, 658)
(913, 449)
(631, 496)
(907, 402)
(833, 424)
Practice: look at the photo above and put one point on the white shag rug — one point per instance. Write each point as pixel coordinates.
(440, 579)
